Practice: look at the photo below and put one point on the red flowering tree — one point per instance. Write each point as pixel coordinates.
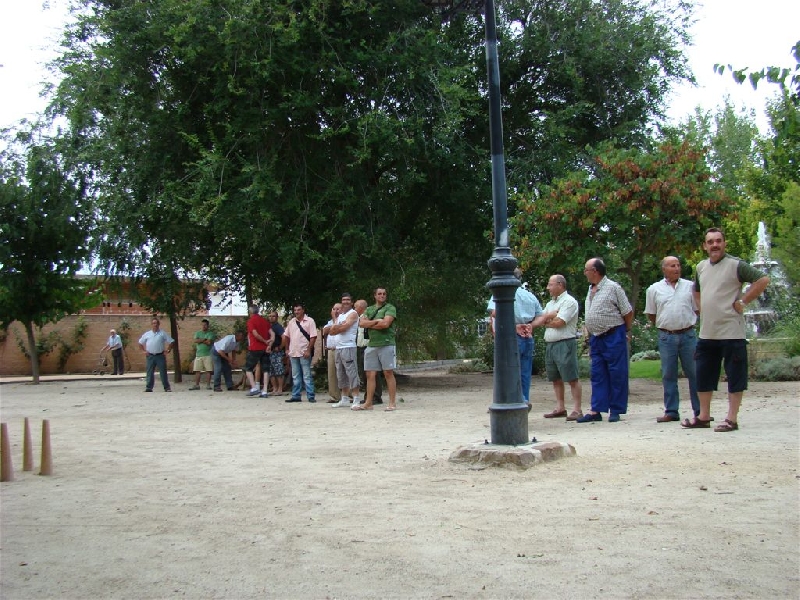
(632, 206)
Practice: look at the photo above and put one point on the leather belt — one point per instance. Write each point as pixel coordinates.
(608, 331)
(156, 353)
(677, 331)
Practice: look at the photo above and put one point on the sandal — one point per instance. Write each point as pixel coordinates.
(555, 414)
(696, 424)
(727, 426)
(390, 408)
(360, 407)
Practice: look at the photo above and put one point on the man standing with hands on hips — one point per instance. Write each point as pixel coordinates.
(718, 294)
(155, 344)
(671, 308)
(608, 320)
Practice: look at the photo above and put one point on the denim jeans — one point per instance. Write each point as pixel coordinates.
(301, 374)
(525, 347)
(153, 361)
(674, 346)
(221, 367)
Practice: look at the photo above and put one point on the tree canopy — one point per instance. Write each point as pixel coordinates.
(634, 206)
(293, 150)
(45, 225)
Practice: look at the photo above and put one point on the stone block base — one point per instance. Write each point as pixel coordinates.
(522, 457)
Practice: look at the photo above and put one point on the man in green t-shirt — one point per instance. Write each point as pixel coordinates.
(202, 358)
(379, 321)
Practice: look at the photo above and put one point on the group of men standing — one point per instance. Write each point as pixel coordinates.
(268, 341)
(673, 305)
(351, 322)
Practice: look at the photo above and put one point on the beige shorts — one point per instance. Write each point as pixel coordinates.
(203, 364)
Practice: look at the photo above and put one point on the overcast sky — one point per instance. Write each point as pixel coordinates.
(744, 33)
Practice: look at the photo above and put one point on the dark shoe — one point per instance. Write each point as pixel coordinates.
(293, 400)
(312, 400)
(231, 389)
(168, 390)
(696, 424)
(377, 401)
(612, 418)
(146, 390)
(217, 389)
(667, 418)
(555, 414)
(589, 417)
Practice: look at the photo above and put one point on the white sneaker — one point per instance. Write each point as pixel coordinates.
(356, 404)
(342, 403)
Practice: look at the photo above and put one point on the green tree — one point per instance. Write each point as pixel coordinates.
(45, 221)
(635, 207)
(734, 152)
(289, 149)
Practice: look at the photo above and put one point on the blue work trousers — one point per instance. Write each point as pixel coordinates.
(609, 373)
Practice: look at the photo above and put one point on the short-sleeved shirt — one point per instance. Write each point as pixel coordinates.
(261, 325)
(674, 307)
(720, 285)
(277, 329)
(382, 337)
(331, 340)
(606, 306)
(204, 349)
(155, 342)
(568, 309)
(298, 344)
(227, 344)
(523, 329)
(114, 342)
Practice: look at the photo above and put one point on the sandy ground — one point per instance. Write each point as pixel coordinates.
(203, 495)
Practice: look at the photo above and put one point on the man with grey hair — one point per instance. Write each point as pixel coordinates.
(671, 307)
(561, 354)
(609, 318)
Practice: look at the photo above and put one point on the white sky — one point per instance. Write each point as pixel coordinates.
(743, 33)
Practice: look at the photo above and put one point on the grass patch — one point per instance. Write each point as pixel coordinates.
(645, 369)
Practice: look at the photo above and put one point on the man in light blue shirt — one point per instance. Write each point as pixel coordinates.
(155, 344)
(223, 356)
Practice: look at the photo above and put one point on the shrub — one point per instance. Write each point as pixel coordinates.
(646, 355)
(644, 337)
(776, 369)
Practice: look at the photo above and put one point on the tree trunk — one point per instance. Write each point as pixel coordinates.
(176, 351)
(32, 350)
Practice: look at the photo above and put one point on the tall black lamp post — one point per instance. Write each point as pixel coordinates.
(509, 413)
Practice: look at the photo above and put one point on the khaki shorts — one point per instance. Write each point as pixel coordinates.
(203, 364)
(561, 360)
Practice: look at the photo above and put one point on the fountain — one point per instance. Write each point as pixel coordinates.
(762, 315)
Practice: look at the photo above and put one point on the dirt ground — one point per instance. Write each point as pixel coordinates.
(203, 495)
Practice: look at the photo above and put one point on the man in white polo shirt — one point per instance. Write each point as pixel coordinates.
(561, 356)
(670, 306)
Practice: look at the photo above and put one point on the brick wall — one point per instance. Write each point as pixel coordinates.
(13, 361)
